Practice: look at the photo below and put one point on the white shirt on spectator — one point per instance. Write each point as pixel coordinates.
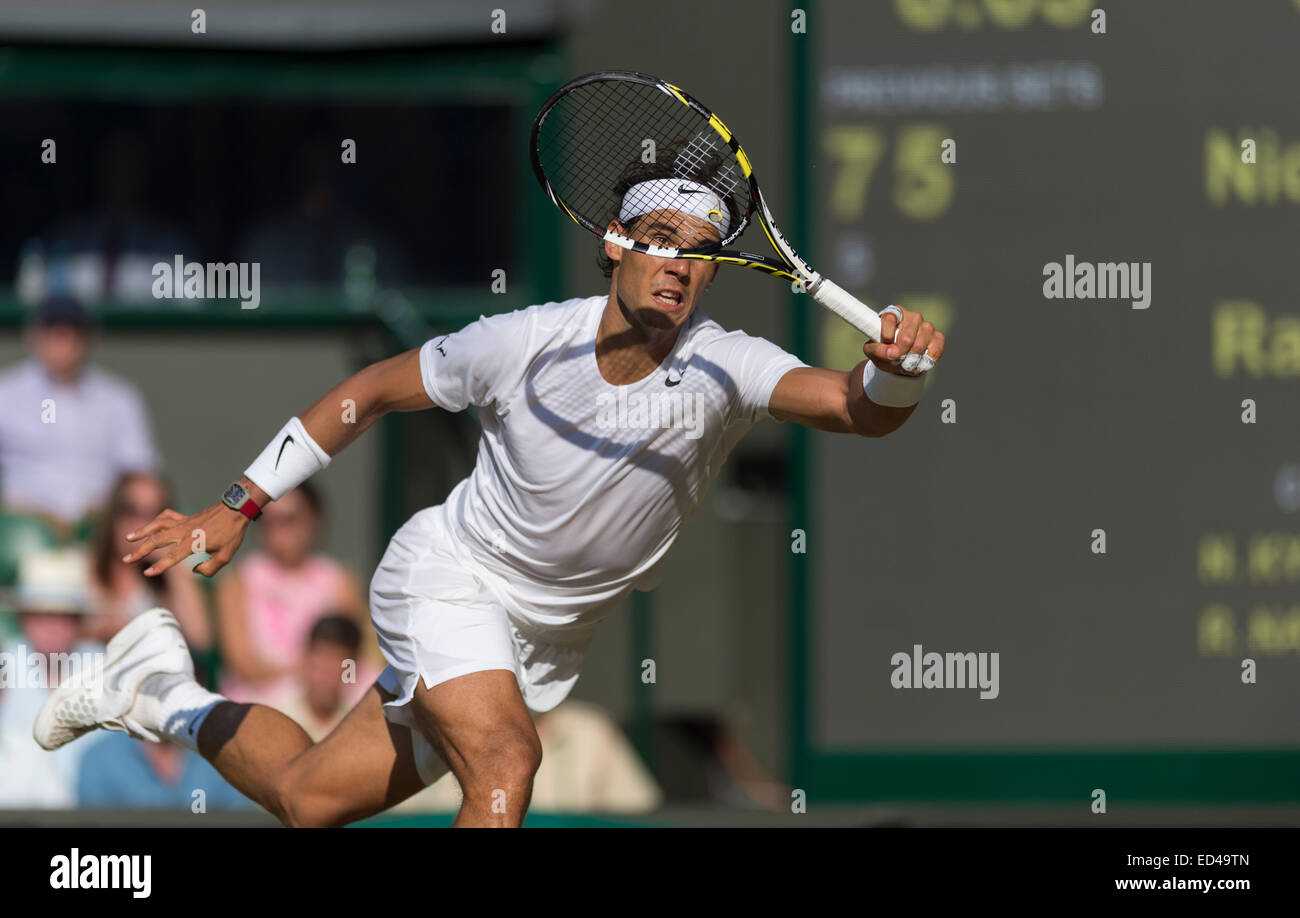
(63, 444)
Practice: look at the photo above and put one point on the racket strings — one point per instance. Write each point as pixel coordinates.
(600, 139)
(703, 150)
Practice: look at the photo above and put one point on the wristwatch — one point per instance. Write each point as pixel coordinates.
(238, 498)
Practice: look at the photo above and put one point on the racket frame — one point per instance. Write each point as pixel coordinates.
(788, 265)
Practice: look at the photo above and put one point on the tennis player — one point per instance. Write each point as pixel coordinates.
(604, 421)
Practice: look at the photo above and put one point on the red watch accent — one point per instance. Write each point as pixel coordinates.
(238, 498)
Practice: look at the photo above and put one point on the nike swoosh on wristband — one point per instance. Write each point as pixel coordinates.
(287, 441)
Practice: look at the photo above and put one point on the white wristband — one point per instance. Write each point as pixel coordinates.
(288, 460)
(890, 389)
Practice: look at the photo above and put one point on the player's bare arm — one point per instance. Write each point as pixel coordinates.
(836, 402)
(389, 385)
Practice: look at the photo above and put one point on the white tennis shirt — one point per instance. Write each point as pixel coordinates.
(582, 487)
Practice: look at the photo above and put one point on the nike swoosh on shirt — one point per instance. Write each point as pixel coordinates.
(672, 382)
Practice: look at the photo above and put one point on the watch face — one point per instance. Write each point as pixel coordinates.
(235, 495)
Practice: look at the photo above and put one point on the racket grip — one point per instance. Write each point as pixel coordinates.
(847, 306)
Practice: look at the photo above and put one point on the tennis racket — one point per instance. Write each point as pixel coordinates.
(606, 136)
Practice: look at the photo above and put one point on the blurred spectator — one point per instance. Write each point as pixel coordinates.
(8, 626)
(118, 772)
(119, 592)
(703, 760)
(268, 603)
(330, 657)
(68, 429)
(588, 765)
(20, 535)
(110, 253)
(51, 598)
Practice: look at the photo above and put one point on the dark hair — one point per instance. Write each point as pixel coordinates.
(336, 628)
(666, 165)
(103, 553)
(61, 310)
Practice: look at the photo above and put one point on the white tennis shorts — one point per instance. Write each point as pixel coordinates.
(437, 619)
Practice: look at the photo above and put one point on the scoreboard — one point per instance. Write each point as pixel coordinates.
(1099, 205)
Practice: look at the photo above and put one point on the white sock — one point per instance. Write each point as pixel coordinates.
(175, 705)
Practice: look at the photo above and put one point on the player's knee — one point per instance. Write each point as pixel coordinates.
(506, 759)
(298, 806)
(312, 811)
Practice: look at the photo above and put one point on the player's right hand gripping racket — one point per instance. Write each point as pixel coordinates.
(605, 134)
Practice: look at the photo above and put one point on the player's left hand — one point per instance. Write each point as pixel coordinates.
(909, 347)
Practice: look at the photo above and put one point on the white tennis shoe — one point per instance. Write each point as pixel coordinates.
(109, 697)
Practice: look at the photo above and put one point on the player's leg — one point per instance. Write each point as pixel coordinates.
(480, 727)
(364, 766)
(476, 724)
(455, 666)
(145, 686)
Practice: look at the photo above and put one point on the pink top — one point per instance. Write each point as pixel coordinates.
(280, 607)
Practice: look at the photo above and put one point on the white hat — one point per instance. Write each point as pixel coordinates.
(54, 580)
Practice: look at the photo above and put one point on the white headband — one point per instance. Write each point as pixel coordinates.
(675, 194)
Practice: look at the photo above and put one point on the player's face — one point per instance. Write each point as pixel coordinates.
(663, 292)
